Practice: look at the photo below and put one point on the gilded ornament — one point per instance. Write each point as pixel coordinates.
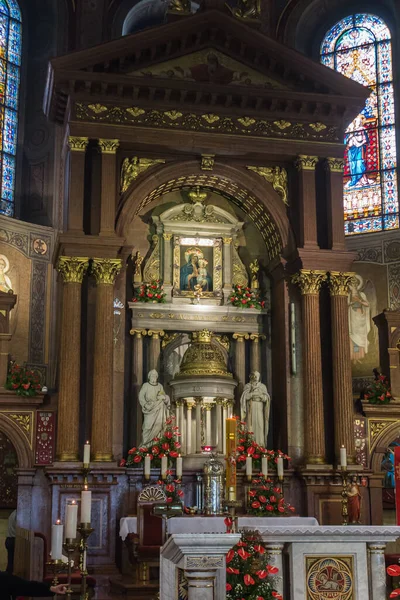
(197, 196)
(246, 121)
(133, 167)
(239, 273)
(108, 146)
(318, 126)
(207, 162)
(78, 144)
(137, 266)
(282, 124)
(138, 333)
(223, 340)
(339, 283)
(179, 6)
(227, 241)
(156, 333)
(105, 270)
(240, 337)
(257, 337)
(135, 111)
(210, 118)
(277, 176)
(335, 165)
(203, 358)
(306, 163)
(376, 428)
(248, 10)
(254, 269)
(217, 272)
(97, 108)
(309, 281)
(173, 114)
(72, 268)
(24, 422)
(151, 271)
(168, 338)
(167, 236)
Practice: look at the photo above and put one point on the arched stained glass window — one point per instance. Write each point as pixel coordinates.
(360, 48)
(10, 62)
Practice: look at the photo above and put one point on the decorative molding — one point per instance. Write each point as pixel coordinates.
(394, 285)
(45, 438)
(277, 177)
(169, 338)
(105, 270)
(306, 163)
(373, 255)
(339, 283)
(205, 562)
(24, 421)
(156, 333)
(309, 281)
(207, 162)
(72, 268)
(167, 236)
(133, 167)
(37, 317)
(334, 165)
(392, 250)
(78, 144)
(108, 146)
(240, 337)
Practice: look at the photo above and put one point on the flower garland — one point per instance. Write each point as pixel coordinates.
(379, 391)
(266, 499)
(248, 574)
(150, 292)
(245, 297)
(171, 488)
(23, 382)
(247, 446)
(167, 444)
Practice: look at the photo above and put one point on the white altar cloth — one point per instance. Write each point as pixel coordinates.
(127, 525)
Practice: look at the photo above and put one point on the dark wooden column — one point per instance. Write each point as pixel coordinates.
(307, 201)
(334, 169)
(108, 185)
(77, 146)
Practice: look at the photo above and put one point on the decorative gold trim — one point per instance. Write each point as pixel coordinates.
(306, 163)
(167, 236)
(309, 281)
(318, 126)
(227, 241)
(68, 457)
(24, 422)
(151, 271)
(257, 337)
(334, 165)
(169, 338)
(77, 144)
(108, 146)
(133, 167)
(217, 266)
(339, 283)
(207, 162)
(240, 337)
(72, 268)
(277, 177)
(156, 333)
(138, 333)
(105, 270)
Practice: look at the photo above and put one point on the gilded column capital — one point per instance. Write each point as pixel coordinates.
(189, 404)
(257, 337)
(108, 146)
(240, 337)
(334, 165)
(179, 402)
(227, 241)
(138, 333)
(156, 333)
(105, 270)
(77, 144)
(306, 163)
(339, 283)
(208, 406)
(167, 236)
(198, 399)
(309, 281)
(72, 268)
(219, 400)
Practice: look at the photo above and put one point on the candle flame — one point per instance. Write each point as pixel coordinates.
(87, 442)
(85, 487)
(58, 522)
(73, 502)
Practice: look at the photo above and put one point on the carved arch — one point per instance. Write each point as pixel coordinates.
(19, 441)
(382, 442)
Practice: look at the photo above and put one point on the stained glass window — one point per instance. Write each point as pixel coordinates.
(10, 62)
(359, 47)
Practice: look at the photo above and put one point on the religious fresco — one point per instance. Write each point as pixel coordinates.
(330, 578)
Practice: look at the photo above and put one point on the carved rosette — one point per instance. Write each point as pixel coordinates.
(72, 268)
(306, 163)
(339, 283)
(334, 165)
(108, 146)
(105, 270)
(309, 281)
(78, 144)
(207, 162)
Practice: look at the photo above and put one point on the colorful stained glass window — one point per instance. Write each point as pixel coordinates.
(10, 63)
(359, 47)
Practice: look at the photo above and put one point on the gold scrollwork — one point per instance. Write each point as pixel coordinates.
(309, 281)
(156, 333)
(217, 273)
(207, 162)
(24, 422)
(105, 270)
(254, 269)
(376, 428)
(169, 338)
(108, 146)
(138, 333)
(239, 273)
(173, 114)
(97, 108)
(277, 176)
(210, 118)
(151, 271)
(306, 163)
(223, 340)
(72, 268)
(240, 337)
(318, 126)
(133, 167)
(334, 165)
(339, 283)
(257, 337)
(77, 144)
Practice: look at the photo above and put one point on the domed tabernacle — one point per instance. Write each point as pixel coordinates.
(203, 358)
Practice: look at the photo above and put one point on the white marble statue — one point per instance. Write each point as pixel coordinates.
(155, 408)
(255, 405)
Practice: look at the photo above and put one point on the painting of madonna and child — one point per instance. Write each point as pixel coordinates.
(196, 268)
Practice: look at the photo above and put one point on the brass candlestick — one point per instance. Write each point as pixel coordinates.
(345, 498)
(55, 567)
(69, 547)
(232, 506)
(85, 530)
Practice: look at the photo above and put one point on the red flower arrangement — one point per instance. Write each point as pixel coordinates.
(266, 499)
(245, 297)
(394, 571)
(379, 391)
(247, 446)
(248, 574)
(150, 292)
(172, 488)
(167, 444)
(23, 382)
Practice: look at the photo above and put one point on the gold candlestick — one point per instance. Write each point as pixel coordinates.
(86, 471)
(55, 568)
(345, 498)
(85, 530)
(69, 547)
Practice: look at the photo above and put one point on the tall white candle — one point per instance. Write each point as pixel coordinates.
(86, 506)
(249, 466)
(71, 520)
(147, 466)
(57, 534)
(343, 457)
(179, 467)
(86, 453)
(279, 465)
(264, 466)
(164, 467)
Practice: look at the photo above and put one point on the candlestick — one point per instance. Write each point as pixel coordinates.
(86, 454)
(164, 467)
(230, 445)
(343, 457)
(345, 498)
(57, 534)
(179, 464)
(86, 505)
(69, 548)
(264, 466)
(84, 530)
(249, 467)
(71, 520)
(147, 466)
(279, 465)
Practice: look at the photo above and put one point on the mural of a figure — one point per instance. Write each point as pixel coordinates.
(362, 307)
(5, 282)
(357, 140)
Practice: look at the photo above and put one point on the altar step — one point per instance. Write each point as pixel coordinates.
(124, 586)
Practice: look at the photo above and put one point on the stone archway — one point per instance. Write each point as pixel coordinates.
(20, 443)
(382, 442)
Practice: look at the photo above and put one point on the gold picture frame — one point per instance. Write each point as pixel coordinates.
(194, 245)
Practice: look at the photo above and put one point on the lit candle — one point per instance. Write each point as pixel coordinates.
(249, 466)
(264, 466)
(147, 466)
(164, 467)
(279, 465)
(179, 467)
(343, 457)
(86, 453)
(71, 520)
(57, 533)
(86, 506)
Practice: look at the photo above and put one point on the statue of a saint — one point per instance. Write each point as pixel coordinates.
(155, 408)
(354, 501)
(255, 405)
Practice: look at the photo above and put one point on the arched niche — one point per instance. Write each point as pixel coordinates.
(381, 443)
(19, 441)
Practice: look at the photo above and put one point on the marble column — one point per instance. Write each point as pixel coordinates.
(155, 348)
(341, 364)
(72, 271)
(240, 362)
(77, 147)
(109, 194)
(334, 169)
(137, 382)
(208, 408)
(199, 401)
(219, 428)
(104, 270)
(377, 570)
(275, 554)
(255, 351)
(201, 584)
(189, 408)
(307, 200)
(227, 273)
(310, 284)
